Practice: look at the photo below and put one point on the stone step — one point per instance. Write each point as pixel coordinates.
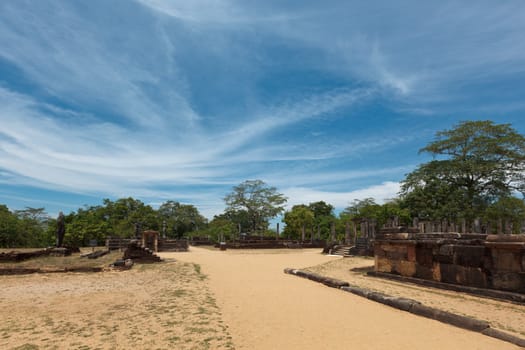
(343, 250)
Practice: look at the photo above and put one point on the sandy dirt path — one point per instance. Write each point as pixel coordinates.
(267, 309)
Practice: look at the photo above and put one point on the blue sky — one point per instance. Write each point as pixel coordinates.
(182, 100)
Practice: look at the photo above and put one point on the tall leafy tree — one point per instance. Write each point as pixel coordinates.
(32, 226)
(297, 221)
(180, 218)
(88, 223)
(8, 228)
(221, 227)
(475, 163)
(258, 201)
(124, 213)
(323, 217)
(506, 210)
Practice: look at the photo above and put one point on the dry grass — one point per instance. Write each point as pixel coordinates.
(155, 306)
(55, 262)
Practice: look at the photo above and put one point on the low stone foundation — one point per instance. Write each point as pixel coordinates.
(476, 260)
(139, 254)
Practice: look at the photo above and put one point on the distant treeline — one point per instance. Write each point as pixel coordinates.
(477, 172)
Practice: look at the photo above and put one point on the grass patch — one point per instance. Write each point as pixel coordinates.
(63, 262)
(179, 293)
(27, 347)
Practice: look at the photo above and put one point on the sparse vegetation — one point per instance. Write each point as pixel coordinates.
(171, 300)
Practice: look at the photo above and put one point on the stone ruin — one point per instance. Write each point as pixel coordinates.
(15, 256)
(471, 259)
(137, 253)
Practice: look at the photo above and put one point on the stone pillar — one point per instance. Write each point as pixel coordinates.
(415, 222)
(347, 233)
(302, 233)
(372, 228)
(332, 231)
(277, 232)
(463, 226)
(477, 225)
(364, 230)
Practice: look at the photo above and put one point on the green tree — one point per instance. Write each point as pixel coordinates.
(258, 201)
(363, 209)
(323, 217)
(124, 213)
(297, 221)
(477, 163)
(506, 209)
(89, 223)
(8, 228)
(221, 228)
(180, 219)
(32, 227)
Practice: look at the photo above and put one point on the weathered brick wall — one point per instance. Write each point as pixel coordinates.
(484, 261)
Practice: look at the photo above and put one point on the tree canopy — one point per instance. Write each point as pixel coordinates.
(257, 201)
(298, 220)
(476, 163)
(477, 168)
(180, 218)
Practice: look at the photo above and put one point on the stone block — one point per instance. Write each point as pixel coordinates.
(444, 259)
(514, 282)
(491, 332)
(406, 268)
(424, 272)
(411, 253)
(506, 238)
(448, 273)
(446, 249)
(505, 260)
(394, 255)
(398, 248)
(378, 251)
(471, 256)
(424, 256)
(475, 277)
(383, 265)
(436, 272)
(467, 276)
(445, 254)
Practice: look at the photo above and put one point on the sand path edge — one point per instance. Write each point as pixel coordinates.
(267, 309)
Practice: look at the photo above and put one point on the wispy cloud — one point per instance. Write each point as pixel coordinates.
(381, 193)
(183, 99)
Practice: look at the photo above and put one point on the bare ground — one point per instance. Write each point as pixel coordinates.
(267, 309)
(211, 299)
(501, 315)
(157, 306)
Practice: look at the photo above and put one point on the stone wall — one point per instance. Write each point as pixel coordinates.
(476, 260)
